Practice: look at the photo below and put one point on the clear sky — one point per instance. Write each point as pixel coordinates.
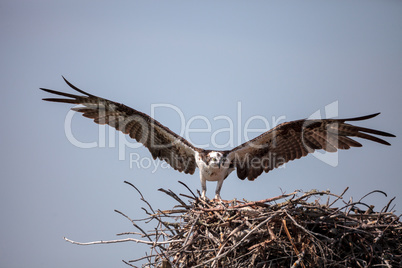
(211, 65)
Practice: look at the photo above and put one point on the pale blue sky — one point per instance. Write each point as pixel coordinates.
(277, 58)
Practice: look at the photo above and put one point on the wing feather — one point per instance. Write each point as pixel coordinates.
(296, 139)
(160, 140)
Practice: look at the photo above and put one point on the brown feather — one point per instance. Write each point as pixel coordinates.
(295, 139)
(284, 143)
(160, 140)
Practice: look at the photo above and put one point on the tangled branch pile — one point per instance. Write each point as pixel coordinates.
(290, 230)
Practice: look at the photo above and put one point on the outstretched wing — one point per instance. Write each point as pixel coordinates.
(160, 140)
(295, 139)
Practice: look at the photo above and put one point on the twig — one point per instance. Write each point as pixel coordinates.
(291, 241)
(248, 204)
(142, 197)
(120, 241)
(339, 197)
(375, 191)
(238, 243)
(185, 185)
(172, 194)
(129, 264)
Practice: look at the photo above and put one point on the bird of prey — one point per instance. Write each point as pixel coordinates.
(285, 142)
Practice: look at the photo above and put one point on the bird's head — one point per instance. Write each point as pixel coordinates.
(215, 159)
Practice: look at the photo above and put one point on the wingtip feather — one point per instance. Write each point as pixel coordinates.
(72, 101)
(76, 88)
(372, 138)
(60, 93)
(365, 117)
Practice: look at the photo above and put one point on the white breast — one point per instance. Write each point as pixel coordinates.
(212, 172)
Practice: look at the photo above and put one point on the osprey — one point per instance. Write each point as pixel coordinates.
(285, 142)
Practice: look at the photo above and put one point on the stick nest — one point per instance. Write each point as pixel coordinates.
(292, 230)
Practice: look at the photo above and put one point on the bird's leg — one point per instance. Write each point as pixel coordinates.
(218, 190)
(204, 188)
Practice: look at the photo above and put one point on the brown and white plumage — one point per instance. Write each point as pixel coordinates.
(295, 139)
(160, 140)
(286, 142)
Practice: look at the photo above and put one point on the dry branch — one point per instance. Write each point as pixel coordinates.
(284, 231)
